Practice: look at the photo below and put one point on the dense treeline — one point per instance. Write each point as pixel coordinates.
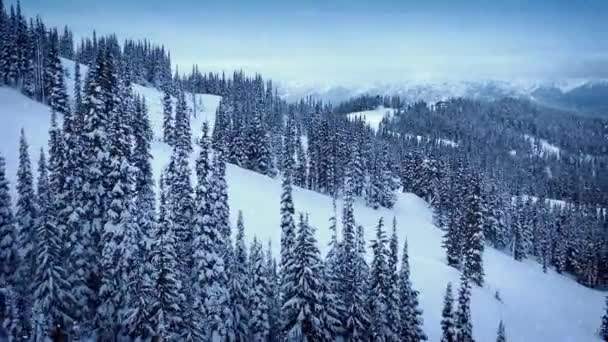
(89, 254)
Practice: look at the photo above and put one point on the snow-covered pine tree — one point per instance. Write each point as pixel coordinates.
(168, 122)
(221, 127)
(473, 243)
(136, 266)
(464, 323)
(119, 182)
(302, 307)
(241, 283)
(182, 205)
(8, 233)
(604, 326)
(353, 270)
(332, 276)
(212, 300)
(452, 240)
(501, 335)
(57, 95)
(77, 107)
(362, 276)
(166, 304)
(258, 320)
(379, 287)
(26, 237)
(288, 242)
(519, 243)
(258, 154)
(301, 165)
(182, 130)
(94, 151)
(393, 300)
(52, 300)
(448, 328)
(410, 313)
(273, 293)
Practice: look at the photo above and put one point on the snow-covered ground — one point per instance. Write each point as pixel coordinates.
(373, 117)
(542, 147)
(535, 306)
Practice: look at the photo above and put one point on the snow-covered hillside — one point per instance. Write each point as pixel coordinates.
(373, 117)
(535, 306)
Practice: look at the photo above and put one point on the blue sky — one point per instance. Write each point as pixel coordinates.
(360, 41)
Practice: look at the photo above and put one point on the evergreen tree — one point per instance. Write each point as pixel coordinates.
(473, 234)
(77, 89)
(136, 266)
(333, 277)
(288, 242)
(55, 83)
(182, 132)
(411, 315)
(258, 154)
(118, 181)
(94, 151)
(448, 328)
(604, 326)
(258, 321)
(303, 307)
(464, 324)
(168, 122)
(52, 301)
(211, 282)
(501, 335)
(274, 300)
(393, 300)
(380, 287)
(240, 283)
(354, 273)
(8, 233)
(166, 304)
(26, 223)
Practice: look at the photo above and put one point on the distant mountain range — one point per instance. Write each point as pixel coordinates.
(589, 97)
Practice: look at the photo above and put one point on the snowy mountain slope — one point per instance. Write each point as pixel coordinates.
(373, 117)
(535, 306)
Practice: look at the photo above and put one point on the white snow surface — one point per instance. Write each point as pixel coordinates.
(373, 117)
(535, 306)
(542, 147)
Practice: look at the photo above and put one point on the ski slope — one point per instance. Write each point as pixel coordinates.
(535, 306)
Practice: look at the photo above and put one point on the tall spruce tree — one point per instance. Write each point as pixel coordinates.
(464, 323)
(8, 233)
(166, 304)
(26, 238)
(274, 299)
(448, 329)
(379, 287)
(240, 283)
(258, 320)
(303, 306)
(473, 243)
(168, 122)
(52, 300)
(501, 335)
(332, 276)
(604, 326)
(393, 300)
(410, 314)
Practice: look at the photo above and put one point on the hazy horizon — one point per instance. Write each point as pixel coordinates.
(355, 42)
